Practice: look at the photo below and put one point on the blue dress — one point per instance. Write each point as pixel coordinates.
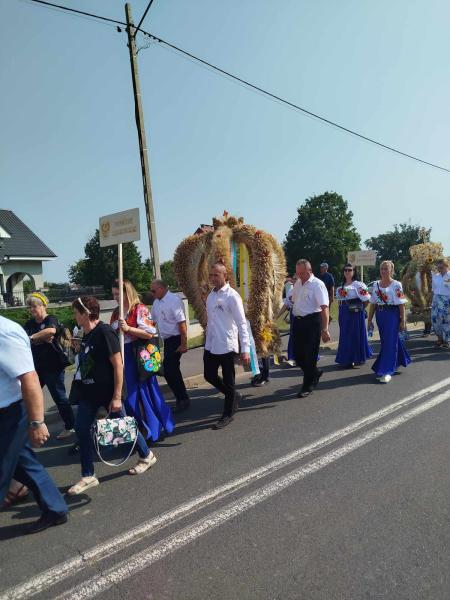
(353, 345)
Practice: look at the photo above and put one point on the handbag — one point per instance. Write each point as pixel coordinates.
(148, 358)
(113, 432)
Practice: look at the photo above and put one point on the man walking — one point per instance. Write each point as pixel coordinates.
(168, 313)
(22, 422)
(328, 280)
(310, 312)
(226, 326)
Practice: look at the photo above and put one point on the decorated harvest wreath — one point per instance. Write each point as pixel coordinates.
(256, 268)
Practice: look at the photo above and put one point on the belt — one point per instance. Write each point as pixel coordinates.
(299, 317)
(9, 407)
(386, 306)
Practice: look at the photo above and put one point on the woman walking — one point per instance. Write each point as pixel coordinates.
(353, 297)
(440, 306)
(144, 400)
(101, 369)
(388, 300)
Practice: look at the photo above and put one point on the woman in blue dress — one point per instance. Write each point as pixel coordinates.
(353, 297)
(388, 300)
(144, 400)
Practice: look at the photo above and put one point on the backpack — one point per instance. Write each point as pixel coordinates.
(63, 345)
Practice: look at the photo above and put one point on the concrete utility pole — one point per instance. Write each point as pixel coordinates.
(148, 199)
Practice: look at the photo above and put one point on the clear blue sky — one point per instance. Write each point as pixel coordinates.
(69, 149)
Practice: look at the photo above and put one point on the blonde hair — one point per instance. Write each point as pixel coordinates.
(443, 262)
(36, 298)
(390, 265)
(129, 292)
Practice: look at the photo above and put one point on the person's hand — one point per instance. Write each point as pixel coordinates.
(115, 406)
(245, 358)
(182, 348)
(38, 436)
(325, 336)
(369, 324)
(402, 325)
(123, 325)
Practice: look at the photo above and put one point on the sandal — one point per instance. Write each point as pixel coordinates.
(84, 484)
(143, 465)
(15, 497)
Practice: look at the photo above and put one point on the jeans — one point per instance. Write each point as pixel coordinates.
(55, 384)
(172, 371)
(225, 384)
(86, 416)
(18, 461)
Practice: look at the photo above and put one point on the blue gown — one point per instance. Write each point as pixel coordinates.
(393, 352)
(353, 342)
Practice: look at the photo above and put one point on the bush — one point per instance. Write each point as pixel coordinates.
(21, 315)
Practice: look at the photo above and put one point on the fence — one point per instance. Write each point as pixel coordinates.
(55, 295)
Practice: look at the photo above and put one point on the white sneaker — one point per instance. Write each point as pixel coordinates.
(385, 379)
(291, 363)
(65, 433)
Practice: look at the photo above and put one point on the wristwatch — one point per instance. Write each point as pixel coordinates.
(36, 424)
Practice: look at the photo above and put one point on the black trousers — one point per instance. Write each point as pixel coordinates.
(307, 332)
(171, 365)
(225, 384)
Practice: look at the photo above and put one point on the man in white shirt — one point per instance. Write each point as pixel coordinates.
(310, 313)
(168, 313)
(22, 422)
(226, 327)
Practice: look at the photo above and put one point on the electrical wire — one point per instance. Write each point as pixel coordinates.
(142, 18)
(252, 86)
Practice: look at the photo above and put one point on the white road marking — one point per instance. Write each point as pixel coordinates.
(134, 564)
(66, 569)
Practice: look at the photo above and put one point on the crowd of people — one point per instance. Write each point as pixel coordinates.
(109, 383)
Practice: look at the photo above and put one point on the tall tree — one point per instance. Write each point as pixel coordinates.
(322, 231)
(99, 266)
(394, 245)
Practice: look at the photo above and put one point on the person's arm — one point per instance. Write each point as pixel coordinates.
(145, 329)
(43, 336)
(237, 311)
(182, 328)
(325, 315)
(116, 403)
(331, 294)
(372, 308)
(402, 317)
(34, 404)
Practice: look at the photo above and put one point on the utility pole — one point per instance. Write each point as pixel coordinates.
(148, 198)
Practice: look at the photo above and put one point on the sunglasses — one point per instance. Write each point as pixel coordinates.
(348, 269)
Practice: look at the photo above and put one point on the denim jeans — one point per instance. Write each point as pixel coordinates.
(86, 416)
(18, 461)
(55, 384)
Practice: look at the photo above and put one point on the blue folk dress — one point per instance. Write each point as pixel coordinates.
(393, 352)
(353, 345)
(144, 400)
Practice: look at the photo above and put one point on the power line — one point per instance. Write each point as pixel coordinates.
(142, 18)
(252, 86)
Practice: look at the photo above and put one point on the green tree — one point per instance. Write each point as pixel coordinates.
(322, 231)
(99, 266)
(394, 245)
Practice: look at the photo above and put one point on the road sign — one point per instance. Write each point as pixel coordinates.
(120, 228)
(362, 258)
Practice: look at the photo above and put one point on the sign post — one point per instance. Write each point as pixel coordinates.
(117, 229)
(362, 258)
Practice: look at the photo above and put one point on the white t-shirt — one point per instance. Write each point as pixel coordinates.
(356, 289)
(226, 322)
(393, 294)
(167, 313)
(441, 284)
(308, 297)
(15, 360)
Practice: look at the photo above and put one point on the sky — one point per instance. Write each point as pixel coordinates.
(69, 151)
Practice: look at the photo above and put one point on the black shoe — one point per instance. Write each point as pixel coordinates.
(317, 379)
(47, 520)
(181, 406)
(304, 393)
(223, 422)
(237, 401)
(261, 382)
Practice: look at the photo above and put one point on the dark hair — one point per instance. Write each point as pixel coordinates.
(87, 305)
(354, 273)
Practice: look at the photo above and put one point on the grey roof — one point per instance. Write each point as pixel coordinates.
(23, 242)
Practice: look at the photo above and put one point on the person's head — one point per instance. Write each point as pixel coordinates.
(442, 265)
(349, 272)
(303, 269)
(130, 295)
(218, 275)
(323, 268)
(387, 269)
(86, 310)
(37, 303)
(158, 288)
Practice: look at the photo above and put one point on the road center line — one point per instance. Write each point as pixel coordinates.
(134, 564)
(69, 567)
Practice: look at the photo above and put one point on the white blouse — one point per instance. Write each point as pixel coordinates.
(393, 294)
(356, 289)
(441, 284)
(143, 321)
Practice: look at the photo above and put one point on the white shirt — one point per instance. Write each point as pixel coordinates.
(441, 284)
(143, 320)
(226, 320)
(167, 313)
(308, 297)
(393, 294)
(356, 289)
(15, 360)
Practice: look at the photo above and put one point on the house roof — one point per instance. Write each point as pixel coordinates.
(23, 242)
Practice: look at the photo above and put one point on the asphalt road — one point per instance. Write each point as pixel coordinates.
(343, 495)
